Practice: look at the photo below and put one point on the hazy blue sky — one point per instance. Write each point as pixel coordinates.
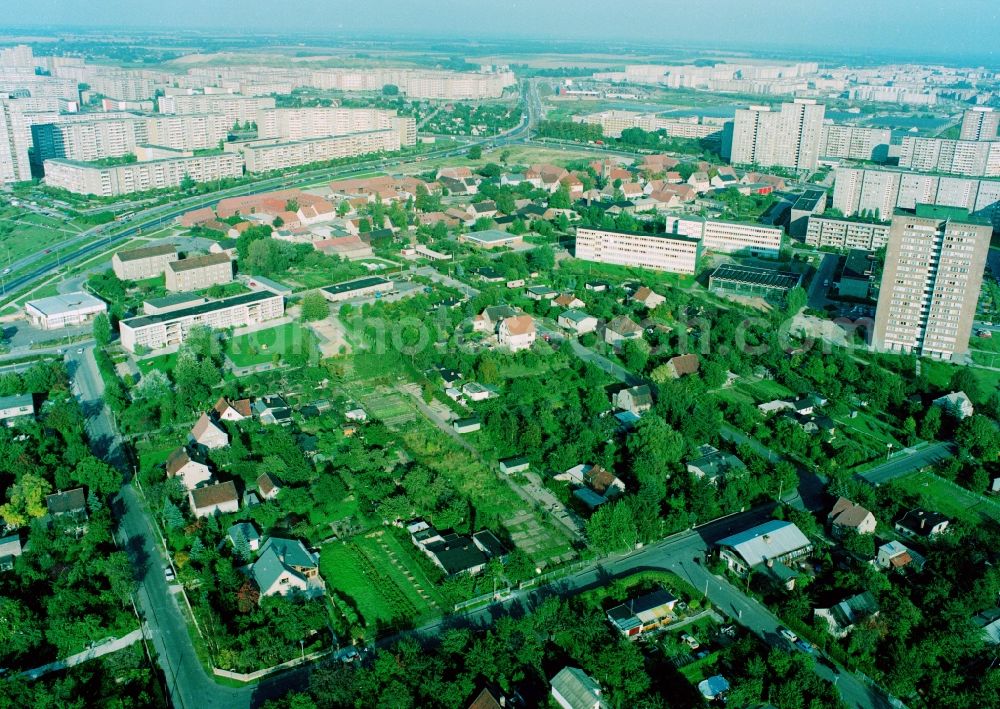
(942, 27)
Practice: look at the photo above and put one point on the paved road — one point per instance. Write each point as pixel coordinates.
(114, 645)
(907, 462)
(586, 354)
(826, 273)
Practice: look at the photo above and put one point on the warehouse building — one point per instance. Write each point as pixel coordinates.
(357, 289)
(767, 283)
(64, 310)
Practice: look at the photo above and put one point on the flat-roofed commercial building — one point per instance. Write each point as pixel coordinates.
(855, 143)
(766, 283)
(195, 131)
(171, 328)
(199, 272)
(264, 156)
(808, 203)
(933, 272)
(789, 137)
(147, 262)
(64, 310)
(958, 157)
(357, 289)
(879, 192)
(88, 178)
(234, 108)
(843, 234)
(980, 123)
(728, 237)
(662, 252)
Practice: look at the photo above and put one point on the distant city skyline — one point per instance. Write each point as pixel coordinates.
(964, 28)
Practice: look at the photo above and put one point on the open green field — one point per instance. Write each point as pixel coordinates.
(363, 570)
(261, 346)
(940, 373)
(31, 233)
(617, 274)
(164, 363)
(764, 390)
(949, 500)
(870, 430)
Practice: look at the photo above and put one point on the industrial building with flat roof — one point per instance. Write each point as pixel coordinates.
(357, 288)
(64, 310)
(172, 327)
(766, 283)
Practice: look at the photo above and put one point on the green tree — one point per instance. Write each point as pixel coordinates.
(475, 152)
(796, 300)
(560, 199)
(187, 183)
(102, 330)
(26, 500)
(20, 629)
(315, 307)
(97, 475)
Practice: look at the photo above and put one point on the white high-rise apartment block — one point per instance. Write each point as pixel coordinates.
(980, 123)
(724, 237)
(88, 140)
(278, 154)
(789, 137)
(307, 123)
(662, 252)
(958, 157)
(930, 286)
(855, 143)
(84, 178)
(14, 165)
(235, 108)
(195, 131)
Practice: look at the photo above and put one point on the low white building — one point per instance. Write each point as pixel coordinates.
(220, 498)
(957, 403)
(15, 407)
(64, 310)
(577, 321)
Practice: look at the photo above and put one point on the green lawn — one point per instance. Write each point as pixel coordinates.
(618, 274)
(869, 430)
(955, 502)
(940, 373)
(260, 347)
(164, 363)
(764, 390)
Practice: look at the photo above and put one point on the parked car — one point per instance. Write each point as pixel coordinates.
(805, 647)
(168, 574)
(691, 641)
(788, 635)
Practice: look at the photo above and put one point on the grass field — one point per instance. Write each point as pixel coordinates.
(940, 373)
(870, 430)
(164, 363)
(949, 500)
(619, 274)
(32, 233)
(261, 346)
(764, 390)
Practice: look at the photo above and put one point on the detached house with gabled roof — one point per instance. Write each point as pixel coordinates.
(637, 399)
(842, 618)
(849, 517)
(220, 498)
(267, 487)
(208, 434)
(620, 330)
(604, 482)
(286, 567)
(516, 333)
(648, 297)
(577, 321)
(488, 320)
(766, 544)
(191, 470)
(918, 523)
(236, 410)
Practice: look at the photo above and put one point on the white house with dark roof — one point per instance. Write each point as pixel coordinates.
(14, 408)
(957, 403)
(10, 549)
(286, 567)
(577, 321)
(220, 498)
(637, 399)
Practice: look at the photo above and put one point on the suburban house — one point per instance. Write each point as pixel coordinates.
(357, 414)
(896, 555)
(620, 330)
(208, 435)
(284, 567)
(510, 466)
(767, 545)
(477, 392)
(70, 505)
(604, 482)
(589, 498)
(712, 464)
(642, 614)
(451, 552)
(648, 297)
(577, 321)
(849, 517)
(192, 471)
(957, 404)
(568, 300)
(682, 365)
(10, 549)
(516, 333)
(267, 487)
(220, 498)
(713, 687)
(488, 320)
(14, 408)
(988, 623)
(244, 532)
(271, 410)
(842, 618)
(637, 399)
(573, 688)
(540, 293)
(226, 410)
(918, 523)
(469, 424)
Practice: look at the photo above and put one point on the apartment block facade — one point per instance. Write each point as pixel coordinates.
(85, 178)
(728, 237)
(844, 234)
(855, 143)
(267, 155)
(957, 157)
(789, 137)
(147, 262)
(156, 331)
(294, 124)
(980, 123)
(14, 166)
(195, 131)
(88, 140)
(930, 285)
(614, 122)
(199, 272)
(234, 108)
(857, 190)
(673, 253)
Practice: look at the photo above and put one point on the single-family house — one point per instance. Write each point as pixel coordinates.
(847, 516)
(16, 407)
(638, 615)
(469, 424)
(568, 300)
(648, 297)
(589, 498)
(700, 182)
(477, 392)
(572, 688)
(208, 434)
(620, 330)
(774, 542)
(540, 293)
(356, 414)
(267, 487)
(712, 464)
(682, 365)
(604, 482)
(244, 532)
(10, 549)
(988, 623)
(487, 209)
(713, 687)
(272, 410)
(451, 552)
(577, 321)
(637, 399)
(236, 410)
(488, 320)
(516, 333)
(896, 555)
(842, 618)
(285, 567)
(957, 404)
(189, 467)
(449, 377)
(70, 506)
(517, 464)
(921, 524)
(220, 498)
(596, 286)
